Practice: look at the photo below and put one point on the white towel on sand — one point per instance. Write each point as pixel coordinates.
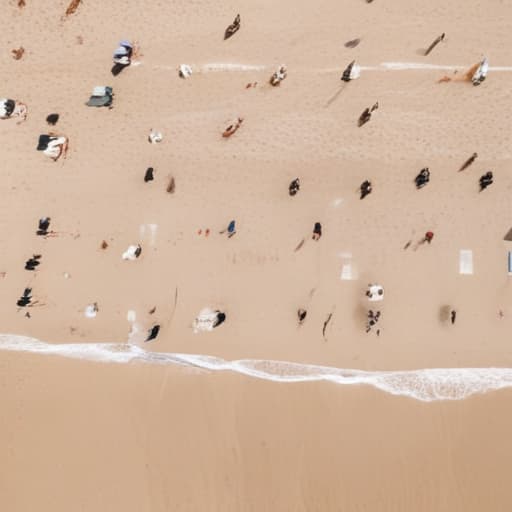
(466, 262)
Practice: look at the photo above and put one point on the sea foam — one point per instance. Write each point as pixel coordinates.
(427, 385)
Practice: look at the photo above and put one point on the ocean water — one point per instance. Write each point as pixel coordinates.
(429, 384)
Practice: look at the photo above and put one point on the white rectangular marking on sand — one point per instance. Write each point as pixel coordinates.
(348, 269)
(346, 272)
(466, 262)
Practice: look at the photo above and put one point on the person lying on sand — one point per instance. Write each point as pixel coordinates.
(33, 262)
(278, 76)
(476, 74)
(294, 187)
(301, 314)
(153, 332)
(234, 27)
(434, 44)
(422, 178)
(72, 7)
(148, 176)
(123, 53)
(367, 114)
(43, 225)
(429, 236)
(132, 252)
(468, 162)
(352, 43)
(486, 180)
(17, 53)
(25, 299)
(232, 128)
(53, 145)
(365, 188)
(351, 72)
(231, 229)
(13, 108)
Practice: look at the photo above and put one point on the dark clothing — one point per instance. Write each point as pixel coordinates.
(234, 27)
(364, 117)
(43, 142)
(346, 74)
(486, 180)
(294, 187)
(366, 188)
(25, 299)
(44, 224)
(149, 175)
(221, 317)
(9, 106)
(33, 262)
(423, 178)
(153, 332)
(52, 119)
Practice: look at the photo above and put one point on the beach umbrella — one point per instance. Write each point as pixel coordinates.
(375, 292)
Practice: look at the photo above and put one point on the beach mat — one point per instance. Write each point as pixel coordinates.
(466, 262)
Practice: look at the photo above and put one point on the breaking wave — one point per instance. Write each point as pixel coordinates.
(426, 384)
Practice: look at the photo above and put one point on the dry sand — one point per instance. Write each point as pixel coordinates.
(125, 449)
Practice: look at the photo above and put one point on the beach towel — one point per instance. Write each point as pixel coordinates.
(466, 262)
(132, 253)
(208, 319)
(348, 268)
(6, 107)
(91, 310)
(184, 71)
(102, 96)
(43, 142)
(375, 292)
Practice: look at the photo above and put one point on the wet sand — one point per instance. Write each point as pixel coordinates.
(143, 438)
(172, 439)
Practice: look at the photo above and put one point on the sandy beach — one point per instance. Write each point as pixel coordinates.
(101, 437)
(153, 436)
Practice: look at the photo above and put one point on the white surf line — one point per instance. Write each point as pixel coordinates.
(398, 66)
(227, 66)
(216, 67)
(427, 385)
(384, 66)
(406, 66)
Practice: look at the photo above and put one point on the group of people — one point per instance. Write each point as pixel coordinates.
(55, 146)
(372, 319)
